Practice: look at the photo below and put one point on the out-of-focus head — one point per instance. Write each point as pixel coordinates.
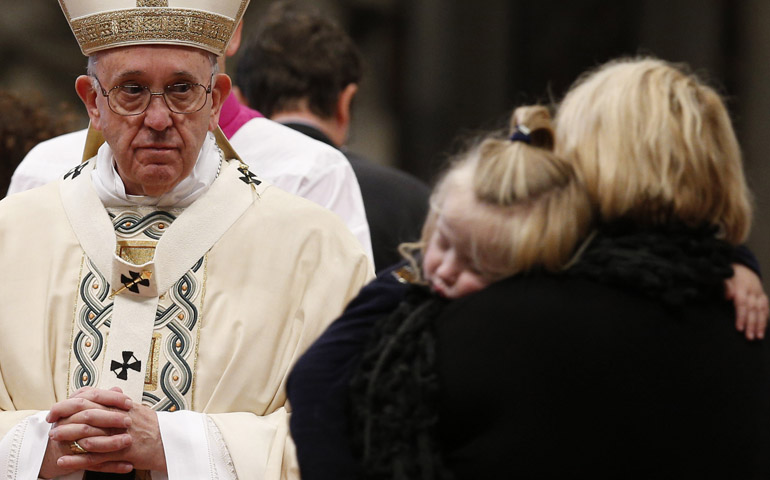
(504, 207)
(152, 87)
(654, 145)
(297, 58)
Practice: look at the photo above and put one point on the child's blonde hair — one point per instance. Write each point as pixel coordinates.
(655, 145)
(525, 206)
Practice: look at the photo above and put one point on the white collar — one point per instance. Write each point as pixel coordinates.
(111, 191)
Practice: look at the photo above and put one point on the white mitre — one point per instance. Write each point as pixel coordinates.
(102, 24)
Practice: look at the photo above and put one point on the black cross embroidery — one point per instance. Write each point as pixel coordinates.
(132, 284)
(75, 171)
(248, 178)
(127, 364)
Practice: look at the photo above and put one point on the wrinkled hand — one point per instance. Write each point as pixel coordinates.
(118, 435)
(142, 447)
(97, 419)
(751, 304)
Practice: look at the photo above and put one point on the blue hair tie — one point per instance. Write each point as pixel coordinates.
(521, 135)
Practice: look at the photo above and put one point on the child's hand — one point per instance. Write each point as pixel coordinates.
(751, 305)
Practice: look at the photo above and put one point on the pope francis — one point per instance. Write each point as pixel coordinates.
(156, 296)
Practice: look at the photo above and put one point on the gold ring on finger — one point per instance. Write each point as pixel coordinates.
(77, 449)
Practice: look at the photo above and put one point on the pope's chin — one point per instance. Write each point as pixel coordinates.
(155, 177)
(158, 159)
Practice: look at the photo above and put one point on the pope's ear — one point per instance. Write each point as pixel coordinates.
(220, 90)
(87, 93)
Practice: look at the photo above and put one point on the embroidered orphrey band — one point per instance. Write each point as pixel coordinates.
(116, 28)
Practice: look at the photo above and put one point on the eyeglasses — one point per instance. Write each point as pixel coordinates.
(133, 99)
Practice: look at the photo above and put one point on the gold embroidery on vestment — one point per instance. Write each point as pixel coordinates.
(136, 252)
(151, 375)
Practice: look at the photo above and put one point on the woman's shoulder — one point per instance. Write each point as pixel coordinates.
(573, 303)
(536, 290)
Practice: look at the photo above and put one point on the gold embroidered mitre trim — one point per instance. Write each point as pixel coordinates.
(155, 22)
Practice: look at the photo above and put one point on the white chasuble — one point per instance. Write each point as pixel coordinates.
(202, 309)
(137, 277)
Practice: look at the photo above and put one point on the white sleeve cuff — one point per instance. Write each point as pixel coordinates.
(193, 447)
(23, 447)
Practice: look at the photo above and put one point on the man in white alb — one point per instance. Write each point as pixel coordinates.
(156, 296)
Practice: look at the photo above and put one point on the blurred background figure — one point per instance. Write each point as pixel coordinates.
(300, 69)
(25, 121)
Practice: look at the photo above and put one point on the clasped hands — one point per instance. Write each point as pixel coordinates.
(117, 434)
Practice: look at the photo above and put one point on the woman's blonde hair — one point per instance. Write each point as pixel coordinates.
(525, 207)
(654, 145)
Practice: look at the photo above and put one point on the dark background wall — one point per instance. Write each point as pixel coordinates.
(439, 69)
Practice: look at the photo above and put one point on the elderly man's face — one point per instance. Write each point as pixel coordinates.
(157, 149)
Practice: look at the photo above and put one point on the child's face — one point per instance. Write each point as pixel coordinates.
(447, 265)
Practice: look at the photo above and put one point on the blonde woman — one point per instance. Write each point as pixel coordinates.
(626, 365)
(654, 146)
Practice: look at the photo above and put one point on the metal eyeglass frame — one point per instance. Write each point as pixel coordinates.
(106, 93)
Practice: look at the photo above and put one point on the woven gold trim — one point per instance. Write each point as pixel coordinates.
(241, 11)
(153, 25)
(151, 3)
(66, 13)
